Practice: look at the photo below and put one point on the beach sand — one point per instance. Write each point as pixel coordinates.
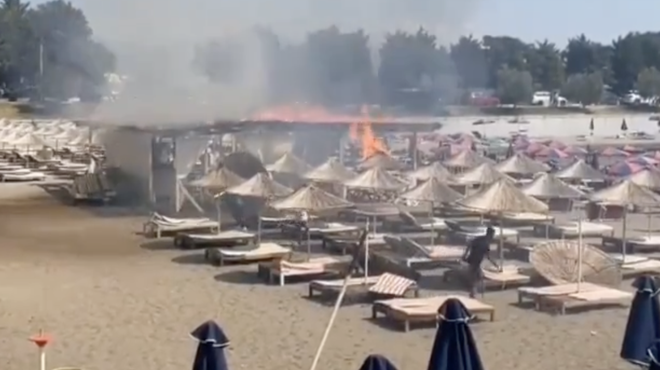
(110, 301)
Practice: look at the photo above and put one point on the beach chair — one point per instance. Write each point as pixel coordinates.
(388, 285)
(633, 266)
(247, 254)
(417, 254)
(227, 238)
(425, 310)
(282, 269)
(23, 176)
(412, 223)
(464, 233)
(569, 230)
(564, 296)
(159, 226)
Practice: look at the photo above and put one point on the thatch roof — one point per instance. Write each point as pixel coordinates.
(467, 159)
(244, 164)
(219, 179)
(330, 171)
(376, 179)
(520, 164)
(433, 171)
(312, 199)
(485, 173)
(625, 193)
(260, 185)
(502, 196)
(381, 160)
(647, 178)
(548, 186)
(289, 164)
(433, 191)
(580, 170)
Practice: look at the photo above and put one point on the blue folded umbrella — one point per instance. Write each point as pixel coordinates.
(454, 347)
(211, 348)
(377, 362)
(643, 328)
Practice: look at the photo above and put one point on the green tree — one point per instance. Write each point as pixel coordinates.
(504, 52)
(584, 56)
(585, 88)
(546, 66)
(514, 86)
(469, 56)
(648, 82)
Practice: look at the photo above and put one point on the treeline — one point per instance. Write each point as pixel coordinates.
(412, 70)
(48, 51)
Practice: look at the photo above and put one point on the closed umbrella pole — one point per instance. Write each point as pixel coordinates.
(366, 255)
(579, 267)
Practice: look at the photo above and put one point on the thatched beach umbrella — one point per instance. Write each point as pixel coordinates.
(332, 171)
(521, 165)
(547, 186)
(376, 179)
(289, 164)
(467, 159)
(624, 194)
(648, 178)
(433, 192)
(218, 180)
(483, 174)
(580, 170)
(499, 198)
(383, 161)
(433, 171)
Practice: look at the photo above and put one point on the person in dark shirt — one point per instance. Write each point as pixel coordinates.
(476, 251)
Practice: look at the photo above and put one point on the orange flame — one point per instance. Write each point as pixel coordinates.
(371, 144)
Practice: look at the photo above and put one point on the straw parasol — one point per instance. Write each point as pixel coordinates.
(260, 186)
(547, 186)
(219, 179)
(580, 170)
(483, 174)
(467, 159)
(647, 178)
(376, 179)
(433, 171)
(500, 197)
(289, 164)
(434, 192)
(522, 165)
(381, 160)
(330, 171)
(312, 199)
(558, 262)
(624, 194)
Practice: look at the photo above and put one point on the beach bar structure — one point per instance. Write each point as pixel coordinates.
(156, 157)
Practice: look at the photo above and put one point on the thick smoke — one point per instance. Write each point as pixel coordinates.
(154, 42)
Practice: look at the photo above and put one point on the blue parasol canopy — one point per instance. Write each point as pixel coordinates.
(210, 350)
(643, 328)
(377, 362)
(454, 347)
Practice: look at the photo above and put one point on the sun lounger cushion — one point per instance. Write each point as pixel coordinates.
(354, 281)
(264, 249)
(563, 289)
(430, 305)
(650, 240)
(526, 216)
(223, 235)
(390, 284)
(24, 176)
(314, 265)
(587, 228)
(602, 294)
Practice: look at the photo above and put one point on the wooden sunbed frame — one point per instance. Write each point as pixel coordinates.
(615, 243)
(272, 271)
(406, 319)
(562, 302)
(456, 273)
(218, 260)
(318, 286)
(186, 241)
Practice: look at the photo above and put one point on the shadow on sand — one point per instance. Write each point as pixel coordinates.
(239, 277)
(161, 244)
(190, 259)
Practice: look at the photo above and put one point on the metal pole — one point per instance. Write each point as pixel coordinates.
(579, 267)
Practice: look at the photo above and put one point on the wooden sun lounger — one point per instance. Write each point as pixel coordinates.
(650, 243)
(562, 297)
(526, 219)
(425, 310)
(508, 278)
(264, 252)
(569, 231)
(228, 238)
(281, 269)
(417, 254)
(633, 266)
(328, 287)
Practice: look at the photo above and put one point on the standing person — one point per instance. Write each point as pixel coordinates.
(478, 249)
(303, 226)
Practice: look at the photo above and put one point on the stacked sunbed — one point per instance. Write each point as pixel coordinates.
(91, 187)
(159, 225)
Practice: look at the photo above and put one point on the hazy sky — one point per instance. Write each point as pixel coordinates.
(531, 20)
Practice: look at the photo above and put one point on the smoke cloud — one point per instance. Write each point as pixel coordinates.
(154, 41)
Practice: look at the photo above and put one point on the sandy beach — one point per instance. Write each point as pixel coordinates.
(112, 301)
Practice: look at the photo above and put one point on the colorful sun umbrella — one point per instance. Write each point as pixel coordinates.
(641, 159)
(575, 150)
(626, 168)
(613, 152)
(553, 153)
(534, 147)
(643, 328)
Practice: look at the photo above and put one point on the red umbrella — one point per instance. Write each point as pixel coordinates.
(613, 152)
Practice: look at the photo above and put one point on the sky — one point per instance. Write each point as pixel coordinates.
(602, 20)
